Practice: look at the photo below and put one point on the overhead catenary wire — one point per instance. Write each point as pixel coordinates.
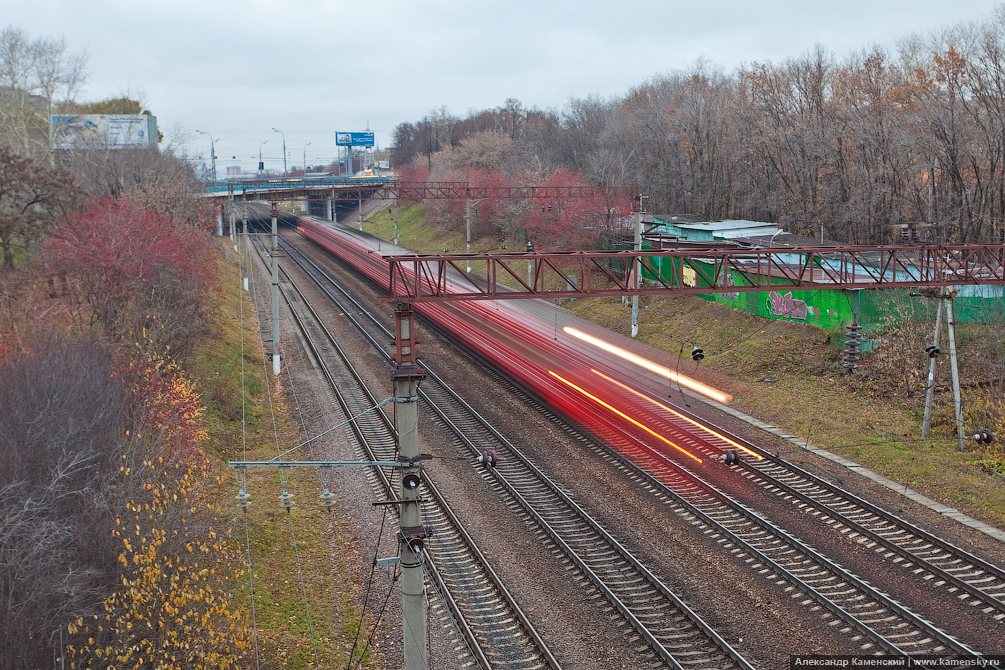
(366, 598)
(380, 615)
(361, 606)
(244, 440)
(293, 535)
(284, 478)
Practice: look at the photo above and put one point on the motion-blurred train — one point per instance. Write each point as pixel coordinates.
(602, 381)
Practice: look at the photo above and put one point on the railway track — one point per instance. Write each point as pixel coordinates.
(676, 635)
(874, 620)
(932, 562)
(497, 633)
(929, 558)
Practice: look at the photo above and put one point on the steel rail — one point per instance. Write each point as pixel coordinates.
(533, 510)
(651, 476)
(982, 580)
(467, 624)
(627, 611)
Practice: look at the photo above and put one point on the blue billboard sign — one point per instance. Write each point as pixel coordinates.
(354, 139)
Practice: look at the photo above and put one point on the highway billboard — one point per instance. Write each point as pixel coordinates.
(354, 139)
(115, 131)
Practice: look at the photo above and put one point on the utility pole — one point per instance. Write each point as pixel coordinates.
(244, 247)
(467, 227)
(957, 399)
(637, 268)
(275, 289)
(212, 153)
(945, 298)
(530, 265)
(933, 354)
(411, 535)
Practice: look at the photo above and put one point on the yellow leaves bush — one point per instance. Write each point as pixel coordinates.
(169, 611)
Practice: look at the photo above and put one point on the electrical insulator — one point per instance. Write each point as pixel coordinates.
(933, 351)
(243, 499)
(731, 457)
(697, 354)
(852, 346)
(983, 437)
(489, 458)
(286, 500)
(327, 498)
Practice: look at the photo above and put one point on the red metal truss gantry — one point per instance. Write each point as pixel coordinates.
(426, 278)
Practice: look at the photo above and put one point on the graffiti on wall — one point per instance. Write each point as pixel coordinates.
(727, 280)
(786, 306)
(689, 276)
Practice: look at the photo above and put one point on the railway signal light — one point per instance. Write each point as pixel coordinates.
(410, 482)
(414, 538)
(697, 354)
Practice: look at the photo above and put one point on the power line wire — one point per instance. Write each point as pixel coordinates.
(293, 535)
(244, 438)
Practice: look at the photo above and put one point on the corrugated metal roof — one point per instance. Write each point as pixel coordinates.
(728, 229)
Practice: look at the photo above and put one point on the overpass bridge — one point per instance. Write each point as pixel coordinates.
(389, 188)
(330, 189)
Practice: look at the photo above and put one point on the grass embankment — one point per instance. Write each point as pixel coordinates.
(786, 374)
(283, 632)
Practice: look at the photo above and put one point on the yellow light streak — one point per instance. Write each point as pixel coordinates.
(693, 384)
(624, 416)
(676, 413)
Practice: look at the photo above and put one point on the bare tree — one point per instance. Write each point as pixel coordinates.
(59, 432)
(33, 199)
(35, 77)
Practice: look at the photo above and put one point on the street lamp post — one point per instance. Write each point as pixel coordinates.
(212, 152)
(284, 149)
(261, 165)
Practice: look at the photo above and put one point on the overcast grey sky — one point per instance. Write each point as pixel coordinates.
(313, 67)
